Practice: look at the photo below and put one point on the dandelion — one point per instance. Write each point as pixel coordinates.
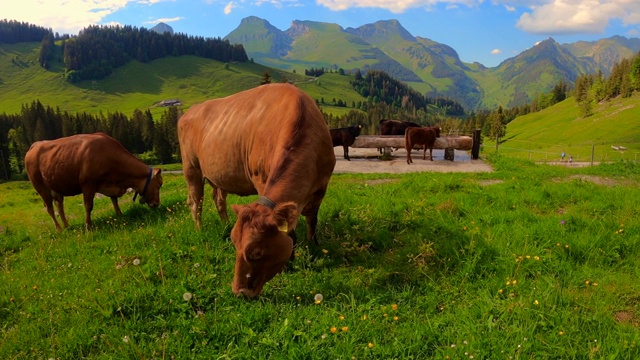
(364, 317)
(345, 328)
(535, 302)
(384, 315)
(595, 284)
(325, 251)
(536, 258)
(508, 282)
(395, 318)
(35, 287)
(558, 244)
(560, 332)
(370, 345)
(136, 262)
(334, 329)
(514, 281)
(187, 296)
(340, 317)
(125, 339)
(528, 257)
(394, 307)
(324, 336)
(318, 298)
(587, 282)
(566, 246)
(500, 291)
(453, 345)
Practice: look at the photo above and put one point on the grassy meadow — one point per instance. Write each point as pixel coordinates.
(528, 261)
(140, 86)
(544, 135)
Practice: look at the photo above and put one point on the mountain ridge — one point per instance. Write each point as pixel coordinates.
(428, 66)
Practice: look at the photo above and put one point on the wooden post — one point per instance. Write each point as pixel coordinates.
(475, 148)
(449, 154)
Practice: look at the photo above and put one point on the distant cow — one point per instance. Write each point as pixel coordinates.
(421, 136)
(88, 164)
(345, 137)
(271, 140)
(395, 127)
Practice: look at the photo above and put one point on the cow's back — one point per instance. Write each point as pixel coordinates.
(64, 164)
(240, 141)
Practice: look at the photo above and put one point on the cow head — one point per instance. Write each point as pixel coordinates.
(150, 195)
(262, 244)
(437, 130)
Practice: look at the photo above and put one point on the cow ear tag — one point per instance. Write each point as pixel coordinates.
(284, 227)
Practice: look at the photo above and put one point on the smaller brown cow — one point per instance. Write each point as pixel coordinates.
(345, 137)
(421, 136)
(88, 164)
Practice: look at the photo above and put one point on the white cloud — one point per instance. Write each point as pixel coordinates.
(164, 20)
(509, 7)
(578, 16)
(496, 52)
(395, 6)
(229, 7)
(67, 16)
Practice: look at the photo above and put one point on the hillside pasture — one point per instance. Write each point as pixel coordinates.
(544, 135)
(528, 261)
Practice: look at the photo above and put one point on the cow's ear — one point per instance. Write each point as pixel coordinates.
(157, 171)
(236, 208)
(285, 215)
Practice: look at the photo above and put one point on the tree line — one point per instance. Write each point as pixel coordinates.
(97, 50)
(13, 32)
(154, 140)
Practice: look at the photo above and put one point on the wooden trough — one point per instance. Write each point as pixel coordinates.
(386, 142)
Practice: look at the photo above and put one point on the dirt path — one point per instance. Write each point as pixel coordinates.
(366, 161)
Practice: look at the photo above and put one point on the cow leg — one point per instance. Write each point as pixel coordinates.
(431, 153)
(195, 185)
(424, 152)
(409, 159)
(346, 152)
(88, 196)
(310, 213)
(48, 203)
(220, 198)
(59, 200)
(114, 201)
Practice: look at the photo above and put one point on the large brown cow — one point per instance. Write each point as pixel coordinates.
(88, 164)
(421, 136)
(273, 141)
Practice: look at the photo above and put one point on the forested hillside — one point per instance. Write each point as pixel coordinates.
(97, 50)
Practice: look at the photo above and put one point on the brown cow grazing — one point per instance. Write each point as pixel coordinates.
(273, 141)
(88, 164)
(345, 137)
(421, 136)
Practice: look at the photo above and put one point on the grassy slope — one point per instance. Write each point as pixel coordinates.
(526, 262)
(545, 134)
(138, 86)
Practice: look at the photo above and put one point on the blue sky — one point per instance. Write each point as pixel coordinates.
(484, 31)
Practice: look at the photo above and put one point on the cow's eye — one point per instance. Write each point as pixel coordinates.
(254, 253)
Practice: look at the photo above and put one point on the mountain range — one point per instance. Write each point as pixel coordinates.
(432, 68)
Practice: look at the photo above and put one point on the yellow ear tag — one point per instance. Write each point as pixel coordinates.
(284, 227)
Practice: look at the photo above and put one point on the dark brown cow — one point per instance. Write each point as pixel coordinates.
(273, 141)
(345, 137)
(421, 136)
(395, 127)
(88, 164)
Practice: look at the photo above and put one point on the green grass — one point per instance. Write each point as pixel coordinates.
(543, 135)
(140, 86)
(529, 261)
